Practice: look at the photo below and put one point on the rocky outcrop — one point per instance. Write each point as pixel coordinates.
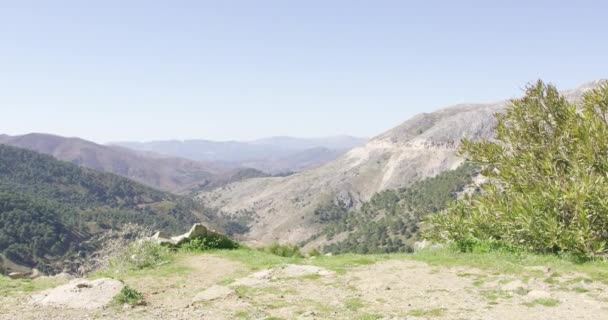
(197, 230)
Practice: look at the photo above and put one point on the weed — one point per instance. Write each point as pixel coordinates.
(547, 302)
(129, 296)
(437, 312)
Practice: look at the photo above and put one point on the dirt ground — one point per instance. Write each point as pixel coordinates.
(219, 288)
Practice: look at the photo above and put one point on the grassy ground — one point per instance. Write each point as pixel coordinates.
(494, 262)
(9, 287)
(429, 284)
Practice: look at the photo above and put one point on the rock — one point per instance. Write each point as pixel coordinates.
(343, 200)
(543, 269)
(286, 271)
(35, 274)
(513, 286)
(80, 294)
(425, 244)
(538, 294)
(17, 275)
(420, 245)
(213, 293)
(161, 235)
(197, 230)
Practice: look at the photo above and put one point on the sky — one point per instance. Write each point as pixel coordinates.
(240, 70)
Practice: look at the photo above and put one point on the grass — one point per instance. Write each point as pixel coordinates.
(354, 304)
(10, 287)
(436, 312)
(510, 263)
(129, 296)
(258, 260)
(547, 302)
(176, 267)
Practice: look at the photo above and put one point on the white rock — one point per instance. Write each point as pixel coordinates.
(80, 294)
(213, 293)
(538, 294)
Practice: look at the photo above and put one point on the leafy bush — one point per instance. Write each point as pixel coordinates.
(208, 242)
(129, 296)
(283, 250)
(549, 173)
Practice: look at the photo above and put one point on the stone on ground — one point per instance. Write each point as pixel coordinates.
(213, 293)
(80, 294)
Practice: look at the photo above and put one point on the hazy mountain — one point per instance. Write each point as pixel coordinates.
(421, 147)
(272, 155)
(162, 172)
(332, 142)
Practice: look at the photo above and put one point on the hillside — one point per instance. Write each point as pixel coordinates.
(421, 147)
(272, 155)
(165, 173)
(49, 207)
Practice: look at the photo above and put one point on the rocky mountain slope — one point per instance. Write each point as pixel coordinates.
(271, 155)
(420, 147)
(165, 173)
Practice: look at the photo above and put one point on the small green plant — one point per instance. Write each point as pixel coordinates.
(354, 304)
(209, 242)
(437, 312)
(283, 250)
(314, 253)
(129, 296)
(547, 302)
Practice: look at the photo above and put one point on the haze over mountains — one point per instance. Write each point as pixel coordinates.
(165, 165)
(421, 147)
(271, 155)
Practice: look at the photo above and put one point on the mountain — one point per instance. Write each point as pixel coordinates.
(49, 208)
(272, 155)
(282, 208)
(161, 172)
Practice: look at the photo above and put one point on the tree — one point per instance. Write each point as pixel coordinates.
(548, 167)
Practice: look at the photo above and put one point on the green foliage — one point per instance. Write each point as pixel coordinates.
(389, 221)
(209, 242)
(129, 296)
(283, 250)
(549, 171)
(48, 208)
(141, 255)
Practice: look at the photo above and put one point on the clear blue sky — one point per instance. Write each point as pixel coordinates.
(142, 70)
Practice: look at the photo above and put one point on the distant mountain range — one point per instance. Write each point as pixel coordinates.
(185, 166)
(271, 155)
(165, 173)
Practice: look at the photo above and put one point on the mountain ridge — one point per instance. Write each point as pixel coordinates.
(420, 147)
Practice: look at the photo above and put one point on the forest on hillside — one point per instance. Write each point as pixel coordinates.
(48, 207)
(389, 221)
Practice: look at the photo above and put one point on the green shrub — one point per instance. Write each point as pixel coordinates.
(549, 173)
(129, 296)
(208, 242)
(141, 255)
(283, 250)
(314, 253)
